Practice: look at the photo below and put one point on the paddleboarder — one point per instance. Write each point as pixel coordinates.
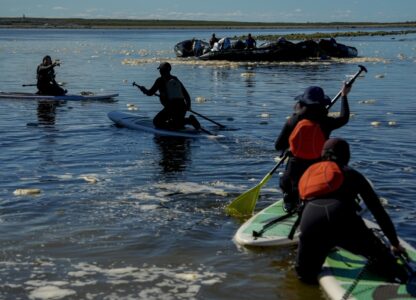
(328, 190)
(46, 83)
(174, 98)
(304, 133)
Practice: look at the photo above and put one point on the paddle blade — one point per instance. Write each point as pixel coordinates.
(244, 204)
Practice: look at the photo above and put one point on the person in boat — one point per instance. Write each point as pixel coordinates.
(197, 47)
(223, 44)
(329, 219)
(46, 83)
(250, 42)
(175, 100)
(213, 40)
(304, 134)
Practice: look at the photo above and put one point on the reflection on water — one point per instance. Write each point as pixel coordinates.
(47, 112)
(175, 153)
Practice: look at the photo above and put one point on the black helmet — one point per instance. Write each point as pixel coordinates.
(336, 149)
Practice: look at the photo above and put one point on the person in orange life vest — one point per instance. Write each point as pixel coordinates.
(329, 218)
(174, 98)
(304, 134)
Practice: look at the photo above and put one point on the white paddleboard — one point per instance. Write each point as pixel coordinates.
(67, 97)
(144, 123)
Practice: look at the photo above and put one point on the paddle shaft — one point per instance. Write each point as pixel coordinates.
(286, 155)
(349, 83)
(34, 84)
(206, 118)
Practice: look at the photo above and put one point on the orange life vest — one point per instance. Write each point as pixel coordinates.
(307, 140)
(320, 179)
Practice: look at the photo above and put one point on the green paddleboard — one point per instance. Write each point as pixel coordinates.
(340, 274)
(276, 235)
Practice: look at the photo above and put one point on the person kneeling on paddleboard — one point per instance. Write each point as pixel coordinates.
(328, 190)
(175, 100)
(304, 134)
(46, 83)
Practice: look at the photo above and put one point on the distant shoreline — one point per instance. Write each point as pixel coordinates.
(346, 29)
(75, 23)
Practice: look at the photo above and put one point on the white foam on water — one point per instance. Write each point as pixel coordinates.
(149, 207)
(234, 64)
(146, 196)
(153, 282)
(188, 188)
(50, 292)
(367, 101)
(25, 192)
(89, 178)
(37, 283)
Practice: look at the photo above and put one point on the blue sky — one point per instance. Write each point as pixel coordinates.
(228, 10)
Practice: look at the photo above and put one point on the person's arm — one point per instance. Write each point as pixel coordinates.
(282, 142)
(332, 123)
(153, 89)
(44, 69)
(186, 97)
(373, 203)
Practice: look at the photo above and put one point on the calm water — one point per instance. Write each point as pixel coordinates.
(152, 224)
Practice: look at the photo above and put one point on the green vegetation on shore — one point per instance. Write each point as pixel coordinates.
(345, 29)
(27, 22)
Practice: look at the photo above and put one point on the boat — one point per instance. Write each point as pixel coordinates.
(344, 277)
(143, 123)
(330, 48)
(67, 97)
(186, 48)
(283, 50)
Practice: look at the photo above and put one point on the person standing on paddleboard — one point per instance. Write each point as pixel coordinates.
(328, 190)
(46, 83)
(174, 98)
(304, 134)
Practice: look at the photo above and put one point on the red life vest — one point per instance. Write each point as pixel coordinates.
(320, 179)
(307, 140)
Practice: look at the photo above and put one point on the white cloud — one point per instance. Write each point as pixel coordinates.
(59, 8)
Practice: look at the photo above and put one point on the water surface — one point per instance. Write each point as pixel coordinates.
(150, 224)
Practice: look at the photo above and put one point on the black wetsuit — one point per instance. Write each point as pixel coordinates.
(296, 166)
(46, 83)
(332, 220)
(172, 116)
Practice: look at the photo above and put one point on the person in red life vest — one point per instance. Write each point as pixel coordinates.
(174, 98)
(328, 190)
(304, 134)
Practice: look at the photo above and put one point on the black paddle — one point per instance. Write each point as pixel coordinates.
(349, 83)
(206, 118)
(34, 84)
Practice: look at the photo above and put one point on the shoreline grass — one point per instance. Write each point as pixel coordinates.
(67, 23)
(344, 29)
